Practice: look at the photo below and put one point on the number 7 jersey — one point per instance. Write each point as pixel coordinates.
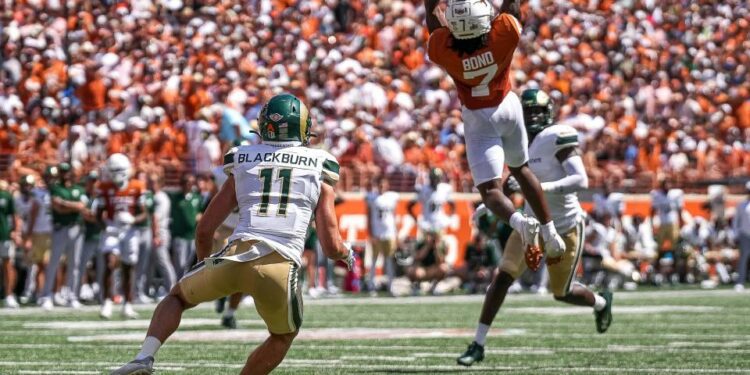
(277, 191)
(483, 77)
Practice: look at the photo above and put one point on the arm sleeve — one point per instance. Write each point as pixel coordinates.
(330, 173)
(574, 181)
(229, 161)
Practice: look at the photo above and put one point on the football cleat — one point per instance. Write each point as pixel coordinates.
(143, 366)
(604, 317)
(128, 312)
(229, 322)
(74, 304)
(46, 303)
(106, 311)
(530, 231)
(474, 353)
(10, 302)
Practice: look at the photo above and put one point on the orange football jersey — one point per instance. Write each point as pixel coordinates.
(114, 200)
(482, 78)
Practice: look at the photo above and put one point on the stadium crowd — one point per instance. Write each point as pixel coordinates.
(654, 88)
(173, 83)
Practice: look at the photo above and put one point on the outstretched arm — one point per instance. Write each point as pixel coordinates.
(432, 10)
(575, 174)
(512, 7)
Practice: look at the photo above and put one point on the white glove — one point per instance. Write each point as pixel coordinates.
(350, 260)
(124, 218)
(554, 246)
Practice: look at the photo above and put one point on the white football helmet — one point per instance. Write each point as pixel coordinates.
(119, 169)
(469, 19)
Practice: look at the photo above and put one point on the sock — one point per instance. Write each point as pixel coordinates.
(599, 302)
(229, 312)
(517, 220)
(149, 348)
(481, 335)
(548, 230)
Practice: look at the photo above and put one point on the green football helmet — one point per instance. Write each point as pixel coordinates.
(285, 119)
(538, 110)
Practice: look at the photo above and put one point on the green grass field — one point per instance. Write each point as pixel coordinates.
(690, 332)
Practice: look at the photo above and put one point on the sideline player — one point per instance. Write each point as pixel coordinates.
(476, 49)
(381, 227)
(118, 201)
(555, 158)
(432, 197)
(34, 205)
(278, 185)
(10, 235)
(68, 203)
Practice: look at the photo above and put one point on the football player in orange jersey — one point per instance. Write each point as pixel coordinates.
(476, 48)
(120, 204)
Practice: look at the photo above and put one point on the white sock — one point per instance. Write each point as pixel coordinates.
(149, 348)
(481, 336)
(517, 220)
(229, 312)
(599, 302)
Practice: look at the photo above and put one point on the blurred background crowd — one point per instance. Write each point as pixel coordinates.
(654, 88)
(657, 91)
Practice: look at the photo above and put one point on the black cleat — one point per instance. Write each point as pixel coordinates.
(474, 353)
(229, 322)
(604, 317)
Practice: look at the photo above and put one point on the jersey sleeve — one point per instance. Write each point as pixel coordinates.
(565, 137)
(437, 41)
(330, 172)
(229, 161)
(506, 23)
(506, 32)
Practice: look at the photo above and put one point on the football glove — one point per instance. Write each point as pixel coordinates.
(554, 247)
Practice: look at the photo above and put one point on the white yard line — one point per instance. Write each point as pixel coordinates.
(305, 334)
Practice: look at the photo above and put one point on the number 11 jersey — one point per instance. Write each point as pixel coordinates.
(277, 187)
(482, 78)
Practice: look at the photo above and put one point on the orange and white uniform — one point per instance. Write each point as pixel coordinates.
(492, 113)
(120, 206)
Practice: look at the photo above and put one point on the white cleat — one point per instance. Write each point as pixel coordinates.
(10, 302)
(106, 311)
(143, 366)
(530, 231)
(128, 312)
(59, 300)
(46, 304)
(74, 304)
(739, 288)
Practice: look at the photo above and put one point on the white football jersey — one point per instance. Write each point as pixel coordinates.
(433, 200)
(668, 206)
(383, 214)
(44, 216)
(564, 208)
(277, 186)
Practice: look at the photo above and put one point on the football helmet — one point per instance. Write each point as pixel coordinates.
(285, 119)
(538, 110)
(436, 176)
(468, 19)
(119, 169)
